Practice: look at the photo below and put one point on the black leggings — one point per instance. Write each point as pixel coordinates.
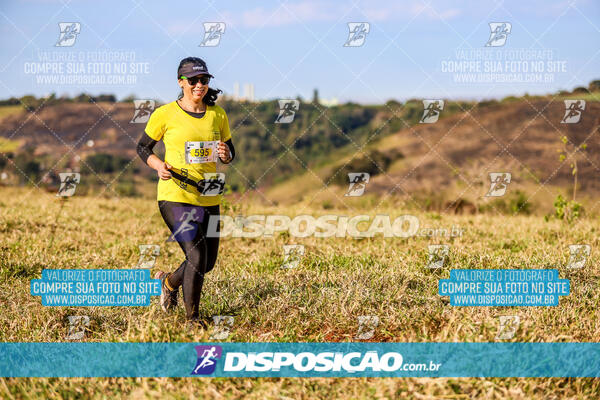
(200, 252)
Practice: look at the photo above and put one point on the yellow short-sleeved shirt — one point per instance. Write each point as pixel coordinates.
(175, 127)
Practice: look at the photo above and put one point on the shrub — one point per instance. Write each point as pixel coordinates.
(127, 189)
(27, 165)
(514, 203)
(104, 163)
(518, 203)
(373, 163)
(567, 210)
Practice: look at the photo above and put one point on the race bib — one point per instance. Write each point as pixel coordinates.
(201, 152)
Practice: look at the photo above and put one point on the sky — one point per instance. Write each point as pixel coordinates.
(412, 49)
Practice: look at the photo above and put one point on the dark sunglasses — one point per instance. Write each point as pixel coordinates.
(203, 79)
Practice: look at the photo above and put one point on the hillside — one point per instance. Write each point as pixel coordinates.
(317, 131)
(429, 164)
(452, 158)
(58, 128)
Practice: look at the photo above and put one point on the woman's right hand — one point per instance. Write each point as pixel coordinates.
(163, 171)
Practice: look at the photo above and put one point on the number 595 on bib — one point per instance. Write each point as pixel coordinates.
(201, 152)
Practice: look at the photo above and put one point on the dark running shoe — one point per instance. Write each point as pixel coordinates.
(168, 297)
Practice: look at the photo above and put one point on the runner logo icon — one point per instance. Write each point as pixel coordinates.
(212, 33)
(357, 33)
(207, 359)
(498, 34)
(573, 111)
(68, 33)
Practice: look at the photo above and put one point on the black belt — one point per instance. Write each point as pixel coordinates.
(201, 185)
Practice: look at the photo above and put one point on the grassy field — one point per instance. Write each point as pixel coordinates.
(10, 110)
(337, 280)
(595, 96)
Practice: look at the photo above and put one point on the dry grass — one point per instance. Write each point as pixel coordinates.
(11, 110)
(338, 280)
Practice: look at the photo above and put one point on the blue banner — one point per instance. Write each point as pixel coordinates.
(504, 287)
(95, 287)
(300, 359)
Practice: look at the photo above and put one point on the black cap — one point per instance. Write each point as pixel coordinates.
(193, 68)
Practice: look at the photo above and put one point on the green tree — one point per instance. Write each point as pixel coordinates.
(564, 209)
(594, 86)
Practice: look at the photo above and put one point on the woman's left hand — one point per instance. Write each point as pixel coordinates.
(223, 152)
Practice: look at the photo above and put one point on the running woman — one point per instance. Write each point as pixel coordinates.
(192, 118)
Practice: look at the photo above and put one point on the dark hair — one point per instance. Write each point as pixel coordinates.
(211, 95)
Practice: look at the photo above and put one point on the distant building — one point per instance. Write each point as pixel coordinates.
(329, 102)
(248, 91)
